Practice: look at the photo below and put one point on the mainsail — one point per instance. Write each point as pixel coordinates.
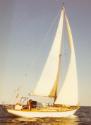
(47, 85)
(68, 94)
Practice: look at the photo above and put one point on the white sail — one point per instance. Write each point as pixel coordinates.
(68, 94)
(47, 84)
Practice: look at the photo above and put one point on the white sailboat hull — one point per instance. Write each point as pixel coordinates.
(30, 114)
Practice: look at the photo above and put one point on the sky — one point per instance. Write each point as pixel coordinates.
(25, 43)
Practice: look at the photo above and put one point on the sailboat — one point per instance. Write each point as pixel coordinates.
(66, 100)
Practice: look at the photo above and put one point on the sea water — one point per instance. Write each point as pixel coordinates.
(82, 117)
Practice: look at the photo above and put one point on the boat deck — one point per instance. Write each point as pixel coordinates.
(51, 109)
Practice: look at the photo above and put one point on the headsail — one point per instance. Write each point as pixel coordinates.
(68, 94)
(47, 84)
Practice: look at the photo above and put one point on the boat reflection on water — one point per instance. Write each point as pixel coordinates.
(40, 121)
(73, 120)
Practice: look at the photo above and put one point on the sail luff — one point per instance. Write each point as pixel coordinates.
(50, 71)
(68, 94)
